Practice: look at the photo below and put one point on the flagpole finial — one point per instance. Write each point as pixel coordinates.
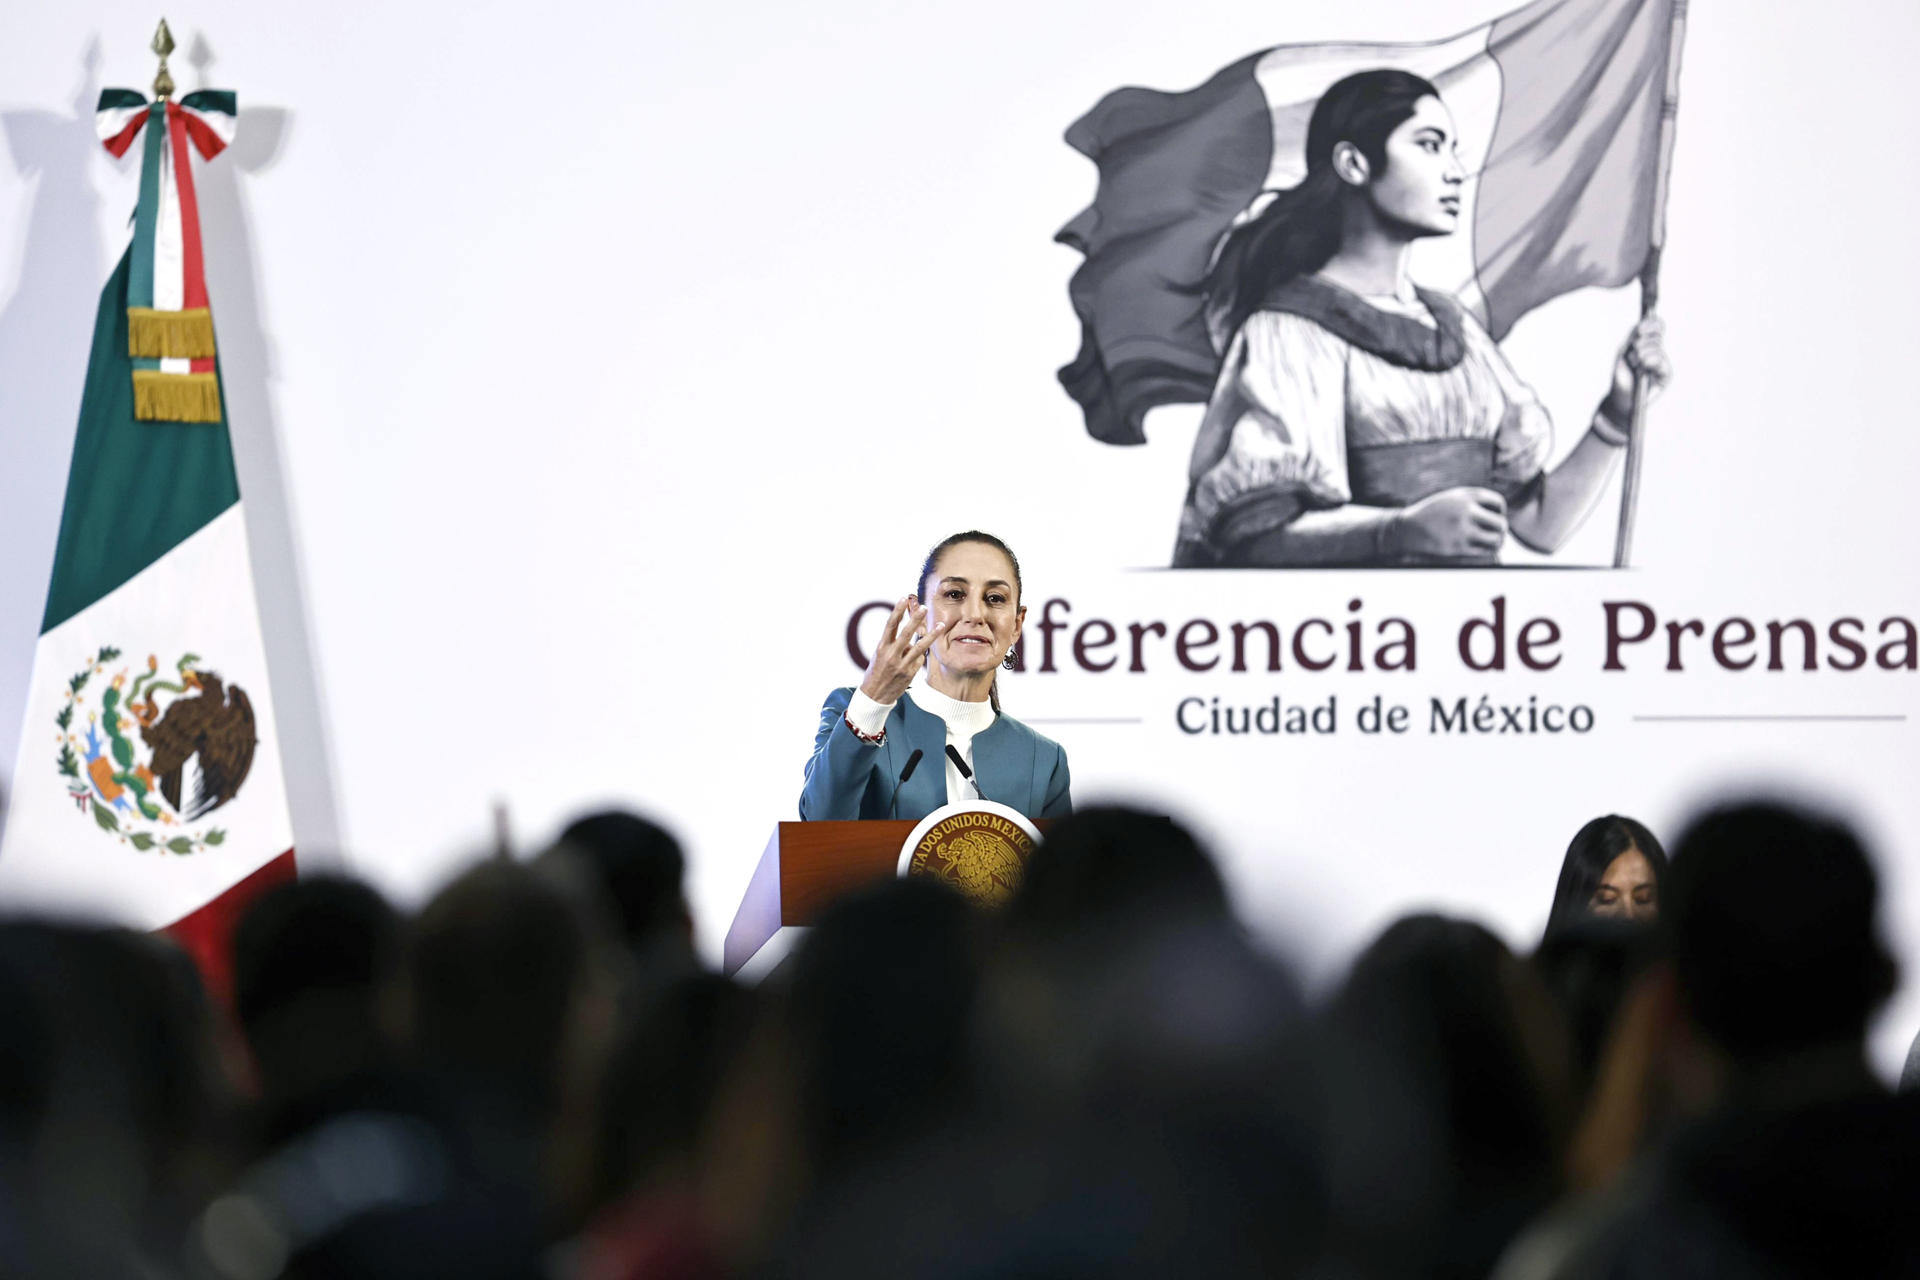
(162, 45)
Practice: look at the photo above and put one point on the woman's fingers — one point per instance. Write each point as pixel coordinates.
(911, 620)
(892, 629)
(924, 642)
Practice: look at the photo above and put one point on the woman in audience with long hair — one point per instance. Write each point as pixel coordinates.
(1613, 868)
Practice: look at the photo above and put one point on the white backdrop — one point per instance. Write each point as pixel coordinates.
(588, 365)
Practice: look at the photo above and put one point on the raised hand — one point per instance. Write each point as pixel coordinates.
(1453, 524)
(902, 651)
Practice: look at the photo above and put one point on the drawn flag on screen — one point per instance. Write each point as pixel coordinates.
(1558, 110)
(148, 789)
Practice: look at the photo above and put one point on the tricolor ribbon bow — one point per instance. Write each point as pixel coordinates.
(169, 327)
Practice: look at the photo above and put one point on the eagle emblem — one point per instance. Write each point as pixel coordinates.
(148, 753)
(978, 848)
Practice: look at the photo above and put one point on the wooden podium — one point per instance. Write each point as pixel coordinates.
(806, 865)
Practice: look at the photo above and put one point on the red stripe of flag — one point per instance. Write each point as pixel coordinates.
(207, 934)
(194, 284)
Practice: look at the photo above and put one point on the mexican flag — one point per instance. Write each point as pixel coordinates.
(149, 791)
(1558, 106)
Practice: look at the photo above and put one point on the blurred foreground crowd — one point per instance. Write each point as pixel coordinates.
(1108, 1077)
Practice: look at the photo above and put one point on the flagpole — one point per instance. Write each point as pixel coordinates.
(1650, 283)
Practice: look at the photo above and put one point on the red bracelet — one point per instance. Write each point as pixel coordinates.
(874, 739)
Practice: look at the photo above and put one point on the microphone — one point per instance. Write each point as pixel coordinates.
(959, 762)
(913, 762)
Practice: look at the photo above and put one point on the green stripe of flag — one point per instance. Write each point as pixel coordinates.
(146, 216)
(136, 489)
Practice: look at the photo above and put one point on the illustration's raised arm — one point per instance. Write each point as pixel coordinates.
(1564, 496)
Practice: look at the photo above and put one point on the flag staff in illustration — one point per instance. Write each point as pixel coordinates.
(1643, 389)
(149, 789)
(1324, 244)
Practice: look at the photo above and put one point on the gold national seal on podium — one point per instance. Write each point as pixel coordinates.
(979, 848)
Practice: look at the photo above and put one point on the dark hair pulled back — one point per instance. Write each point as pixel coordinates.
(940, 548)
(1299, 230)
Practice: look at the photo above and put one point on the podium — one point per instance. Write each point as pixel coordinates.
(804, 868)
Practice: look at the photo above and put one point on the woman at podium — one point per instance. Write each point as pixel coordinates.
(929, 691)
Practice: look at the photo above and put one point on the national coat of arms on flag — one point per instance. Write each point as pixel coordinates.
(149, 789)
(1556, 124)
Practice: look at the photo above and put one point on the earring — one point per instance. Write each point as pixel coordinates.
(1010, 661)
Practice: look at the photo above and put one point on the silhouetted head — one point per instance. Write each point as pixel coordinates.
(500, 969)
(1469, 1015)
(1770, 915)
(878, 1010)
(311, 962)
(1111, 864)
(26, 1064)
(1450, 1093)
(1589, 966)
(640, 868)
(131, 1114)
(666, 1073)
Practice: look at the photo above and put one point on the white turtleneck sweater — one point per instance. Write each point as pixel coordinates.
(963, 719)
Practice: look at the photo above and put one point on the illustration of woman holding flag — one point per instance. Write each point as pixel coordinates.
(1357, 418)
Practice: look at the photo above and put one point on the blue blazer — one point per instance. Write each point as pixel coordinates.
(848, 778)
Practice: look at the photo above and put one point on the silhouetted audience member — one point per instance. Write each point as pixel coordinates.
(27, 1070)
(641, 870)
(1589, 966)
(510, 1004)
(312, 962)
(1139, 1078)
(1449, 1080)
(657, 1130)
(1800, 1164)
(119, 1113)
(864, 1052)
(1109, 1077)
(469, 1164)
(1603, 973)
(1613, 867)
(1111, 866)
(1103, 893)
(879, 1007)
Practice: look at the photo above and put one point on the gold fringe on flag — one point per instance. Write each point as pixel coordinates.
(180, 335)
(175, 397)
